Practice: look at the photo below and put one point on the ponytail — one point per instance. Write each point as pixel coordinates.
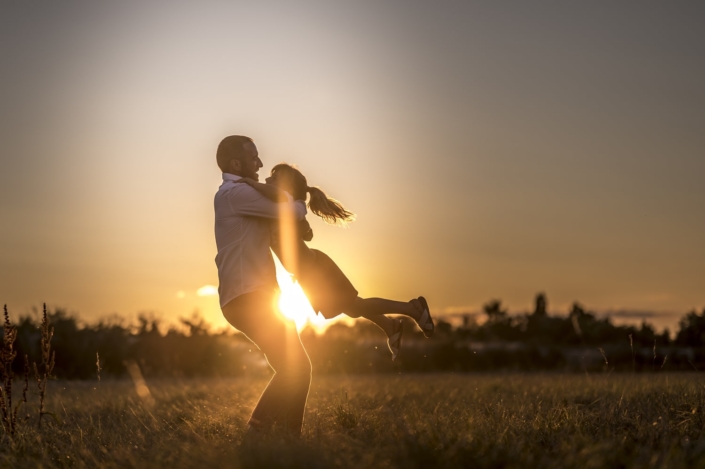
(328, 208)
(292, 180)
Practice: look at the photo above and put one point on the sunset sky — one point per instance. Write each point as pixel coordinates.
(489, 149)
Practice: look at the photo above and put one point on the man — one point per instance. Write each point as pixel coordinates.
(248, 284)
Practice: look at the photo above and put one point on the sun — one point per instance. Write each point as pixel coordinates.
(293, 302)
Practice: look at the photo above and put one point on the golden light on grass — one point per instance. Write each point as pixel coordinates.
(138, 380)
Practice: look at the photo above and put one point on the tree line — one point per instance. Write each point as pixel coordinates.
(578, 341)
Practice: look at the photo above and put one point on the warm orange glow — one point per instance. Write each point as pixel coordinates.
(294, 305)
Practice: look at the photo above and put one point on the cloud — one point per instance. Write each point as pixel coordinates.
(456, 311)
(207, 290)
(626, 313)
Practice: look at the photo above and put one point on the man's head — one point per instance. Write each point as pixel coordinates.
(238, 155)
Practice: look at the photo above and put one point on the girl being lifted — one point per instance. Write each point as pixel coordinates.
(326, 286)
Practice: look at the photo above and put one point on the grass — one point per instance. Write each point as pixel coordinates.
(429, 420)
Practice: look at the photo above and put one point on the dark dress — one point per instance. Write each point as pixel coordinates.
(327, 288)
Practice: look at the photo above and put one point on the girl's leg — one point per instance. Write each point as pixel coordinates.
(371, 307)
(383, 322)
(417, 309)
(393, 329)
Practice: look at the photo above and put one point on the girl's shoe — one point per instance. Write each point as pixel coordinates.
(394, 341)
(426, 321)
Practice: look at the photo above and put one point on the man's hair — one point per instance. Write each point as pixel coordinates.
(231, 148)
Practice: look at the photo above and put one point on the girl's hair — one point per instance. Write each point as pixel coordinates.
(328, 208)
(325, 207)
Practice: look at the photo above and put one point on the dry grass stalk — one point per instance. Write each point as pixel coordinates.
(47, 362)
(607, 363)
(97, 365)
(631, 344)
(664, 361)
(7, 356)
(24, 389)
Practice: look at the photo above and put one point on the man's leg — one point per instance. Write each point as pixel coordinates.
(284, 399)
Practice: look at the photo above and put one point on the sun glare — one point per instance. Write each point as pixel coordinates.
(293, 302)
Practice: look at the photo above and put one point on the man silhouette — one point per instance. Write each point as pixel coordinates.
(248, 284)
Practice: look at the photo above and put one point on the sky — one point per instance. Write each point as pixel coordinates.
(489, 149)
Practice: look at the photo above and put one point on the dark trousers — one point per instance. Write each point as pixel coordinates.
(284, 400)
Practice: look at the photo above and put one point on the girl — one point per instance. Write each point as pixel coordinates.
(326, 286)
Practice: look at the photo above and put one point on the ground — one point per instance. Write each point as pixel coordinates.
(425, 420)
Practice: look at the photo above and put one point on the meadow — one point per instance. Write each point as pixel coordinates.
(406, 420)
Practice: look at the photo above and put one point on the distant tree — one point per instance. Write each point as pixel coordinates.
(594, 331)
(537, 325)
(541, 305)
(444, 328)
(665, 337)
(646, 335)
(495, 313)
(692, 330)
(576, 314)
(499, 323)
(197, 325)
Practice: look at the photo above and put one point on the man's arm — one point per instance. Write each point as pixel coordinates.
(247, 202)
(270, 191)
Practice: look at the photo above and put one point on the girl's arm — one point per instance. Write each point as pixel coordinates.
(304, 230)
(271, 192)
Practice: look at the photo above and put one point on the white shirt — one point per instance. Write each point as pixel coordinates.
(242, 218)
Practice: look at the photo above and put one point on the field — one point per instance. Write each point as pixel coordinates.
(425, 420)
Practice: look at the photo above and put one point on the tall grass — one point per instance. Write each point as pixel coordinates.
(7, 357)
(405, 420)
(43, 372)
(416, 421)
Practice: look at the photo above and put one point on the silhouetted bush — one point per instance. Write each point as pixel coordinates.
(194, 352)
(532, 341)
(692, 330)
